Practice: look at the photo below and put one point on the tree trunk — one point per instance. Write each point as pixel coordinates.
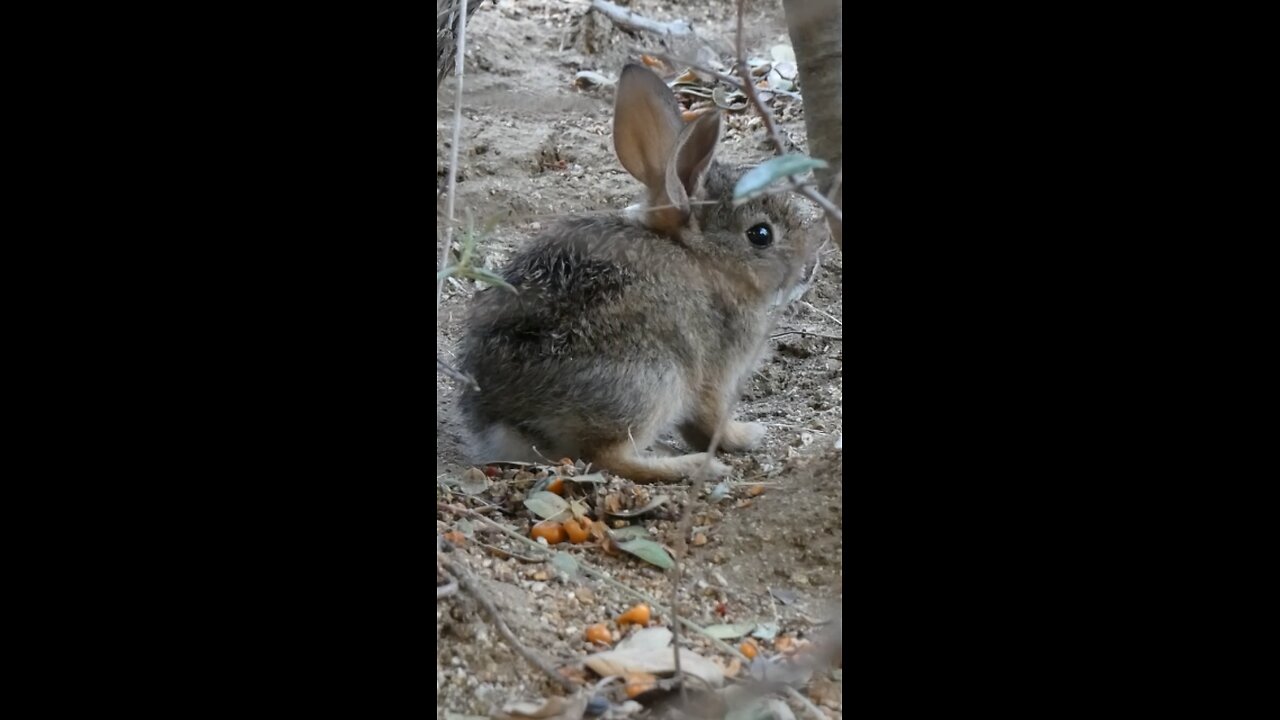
(815, 27)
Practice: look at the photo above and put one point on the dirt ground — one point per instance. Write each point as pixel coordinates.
(534, 145)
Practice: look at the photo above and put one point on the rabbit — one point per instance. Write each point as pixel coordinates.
(630, 324)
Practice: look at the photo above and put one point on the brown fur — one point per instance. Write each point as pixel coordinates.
(623, 329)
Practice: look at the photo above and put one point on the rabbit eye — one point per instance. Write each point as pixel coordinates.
(760, 235)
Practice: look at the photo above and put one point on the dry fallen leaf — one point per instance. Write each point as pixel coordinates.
(638, 682)
(474, 481)
(655, 660)
(688, 76)
(557, 707)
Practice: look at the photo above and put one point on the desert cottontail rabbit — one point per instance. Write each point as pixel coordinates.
(630, 324)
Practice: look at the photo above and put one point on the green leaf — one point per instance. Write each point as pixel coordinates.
(648, 551)
(766, 631)
(630, 532)
(565, 563)
(757, 179)
(727, 632)
(720, 492)
(546, 505)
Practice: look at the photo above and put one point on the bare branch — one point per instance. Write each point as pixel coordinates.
(459, 575)
(599, 575)
(630, 20)
(806, 332)
(458, 375)
(444, 591)
(748, 87)
(832, 211)
(453, 151)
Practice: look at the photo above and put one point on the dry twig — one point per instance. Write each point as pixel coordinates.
(444, 591)
(654, 603)
(453, 151)
(459, 575)
(806, 332)
(458, 375)
(748, 87)
(631, 20)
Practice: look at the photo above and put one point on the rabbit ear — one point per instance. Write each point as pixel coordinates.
(647, 134)
(695, 147)
(646, 123)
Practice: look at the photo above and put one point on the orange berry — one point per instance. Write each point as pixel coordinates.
(577, 533)
(749, 648)
(599, 633)
(553, 532)
(556, 486)
(638, 615)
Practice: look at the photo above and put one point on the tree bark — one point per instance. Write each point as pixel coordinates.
(815, 27)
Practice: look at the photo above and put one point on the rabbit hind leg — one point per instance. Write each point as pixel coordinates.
(622, 459)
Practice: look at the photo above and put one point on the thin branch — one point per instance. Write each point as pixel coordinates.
(679, 62)
(599, 575)
(444, 591)
(805, 332)
(630, 20)
(779, 147)
(676, 62)
(457, 375)
(810, 192)
(459, 575)
(819, 310)
(453, 152)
